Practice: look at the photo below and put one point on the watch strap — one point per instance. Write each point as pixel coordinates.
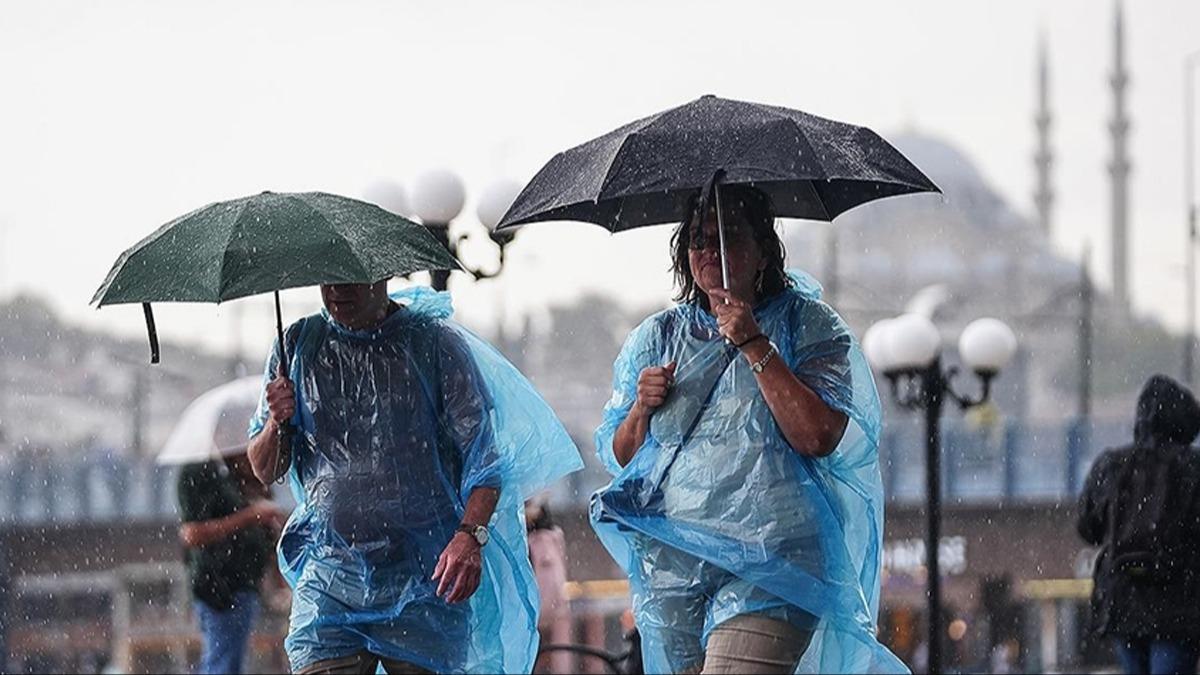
(761, 364)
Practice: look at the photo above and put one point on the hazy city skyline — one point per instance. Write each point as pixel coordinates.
(124, 116)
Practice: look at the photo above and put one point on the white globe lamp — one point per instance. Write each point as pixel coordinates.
(495, 200)
(987, 345)
(874, 344)
(913, 342)
(438, 196)
(388, 195)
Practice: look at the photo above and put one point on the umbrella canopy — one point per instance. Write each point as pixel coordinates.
(214, 425)
(269, 242)
(644, 173)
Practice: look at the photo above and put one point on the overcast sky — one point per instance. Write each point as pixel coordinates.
(118, 116)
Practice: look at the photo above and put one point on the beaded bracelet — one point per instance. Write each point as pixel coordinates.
(748, 340)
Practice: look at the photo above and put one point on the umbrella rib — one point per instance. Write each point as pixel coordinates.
(137, 248)
(225, 251)
(342, 240)
(608, 173)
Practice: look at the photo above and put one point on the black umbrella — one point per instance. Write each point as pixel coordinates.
(646, 172)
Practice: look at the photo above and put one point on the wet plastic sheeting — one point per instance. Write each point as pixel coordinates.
(397, 426)
(717, 516)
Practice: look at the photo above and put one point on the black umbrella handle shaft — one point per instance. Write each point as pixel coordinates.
(286, 431)
(283, 361)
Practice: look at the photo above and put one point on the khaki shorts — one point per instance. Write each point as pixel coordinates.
(754, 644)
(362, 663)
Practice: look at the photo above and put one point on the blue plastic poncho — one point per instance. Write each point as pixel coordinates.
(396, 426)
(717, 516)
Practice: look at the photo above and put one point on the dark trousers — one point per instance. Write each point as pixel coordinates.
(1155, 657)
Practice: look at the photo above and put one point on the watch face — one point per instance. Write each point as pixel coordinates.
(481, 535)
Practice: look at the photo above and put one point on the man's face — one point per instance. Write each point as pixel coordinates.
(355, 305)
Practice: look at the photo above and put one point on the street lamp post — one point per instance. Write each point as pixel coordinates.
(494, 202)
(438, 198)
(1189, 178)
(907, 350)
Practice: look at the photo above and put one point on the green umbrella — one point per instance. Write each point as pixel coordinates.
(266, 243)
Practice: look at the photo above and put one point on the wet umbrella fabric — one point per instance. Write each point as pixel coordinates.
(645, 172)
(266, 243)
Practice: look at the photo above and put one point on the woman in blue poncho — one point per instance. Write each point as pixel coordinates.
(742, 432)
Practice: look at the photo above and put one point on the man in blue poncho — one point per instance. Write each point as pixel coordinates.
(416, 445)
(746, 503)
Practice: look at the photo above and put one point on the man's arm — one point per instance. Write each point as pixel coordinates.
(204, 532)
(460, 567)
(481, 504)
(266, 458)
(264, 453)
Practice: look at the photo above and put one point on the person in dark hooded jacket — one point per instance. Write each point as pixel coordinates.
(1141, 505)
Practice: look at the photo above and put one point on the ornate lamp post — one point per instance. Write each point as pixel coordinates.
(493, 204)
(1190, 65)
(438, 198)
(907, 350)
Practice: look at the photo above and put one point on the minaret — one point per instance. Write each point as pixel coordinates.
(1119, 167)
(1043, 157)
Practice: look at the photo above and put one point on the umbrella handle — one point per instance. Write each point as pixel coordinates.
(286, 432)
(721, 234)
(151, 332)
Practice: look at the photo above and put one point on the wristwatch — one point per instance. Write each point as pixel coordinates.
(478, 532)
(760, 364)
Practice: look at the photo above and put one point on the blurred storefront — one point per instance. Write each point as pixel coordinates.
(1016, 582)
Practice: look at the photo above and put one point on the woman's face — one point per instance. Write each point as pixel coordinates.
(742, 252)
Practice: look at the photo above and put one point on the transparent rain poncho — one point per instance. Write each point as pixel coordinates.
(396, 426)
(717, 516)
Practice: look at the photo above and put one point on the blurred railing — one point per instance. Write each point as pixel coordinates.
(136, 618)
(37, 489)
(1002, 462)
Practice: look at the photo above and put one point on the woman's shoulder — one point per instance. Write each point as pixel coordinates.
(663, 320)
(804, 308)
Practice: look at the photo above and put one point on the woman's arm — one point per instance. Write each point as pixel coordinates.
(653, 385)
(808, 424)
(631, 434)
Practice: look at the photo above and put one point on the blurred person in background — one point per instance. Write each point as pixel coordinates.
(1141, 506)
(229, 529)
(548, 554)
